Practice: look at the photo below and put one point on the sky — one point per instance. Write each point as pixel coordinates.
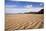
(22, 6)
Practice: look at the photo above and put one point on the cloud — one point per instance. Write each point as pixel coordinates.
(15, 6)
(41, 4)
(36, 9)
(22, 10)
(16, 9)
(28, 6)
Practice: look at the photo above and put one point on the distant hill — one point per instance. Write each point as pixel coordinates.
(40, 12)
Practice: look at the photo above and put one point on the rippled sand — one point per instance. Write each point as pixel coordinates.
(23, 21)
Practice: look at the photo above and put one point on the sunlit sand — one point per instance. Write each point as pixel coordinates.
(23, 21)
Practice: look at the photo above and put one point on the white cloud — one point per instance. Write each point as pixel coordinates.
(28, 6)
(41, 4)
(15, 6)
(36, 9)
(17, 10)
(22, 10)
(13, 9)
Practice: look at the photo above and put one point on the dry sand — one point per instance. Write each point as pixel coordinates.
(23, 21)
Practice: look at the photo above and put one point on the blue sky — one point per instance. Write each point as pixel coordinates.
(22, 6)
